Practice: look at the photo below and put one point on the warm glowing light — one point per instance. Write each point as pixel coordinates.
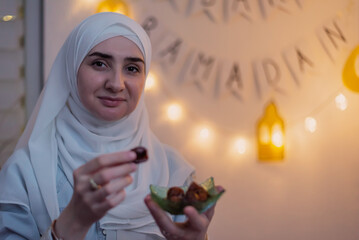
(150, 82)
(204, 133)
(204, 136)
(118, 6)
(8, 18)
(240, 145)
(350, 71)
(174, 112)
(310, 124)
(277, 135)
(270, 135)
(341, 102)
(264, 135)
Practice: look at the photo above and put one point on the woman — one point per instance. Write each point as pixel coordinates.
(72, 174)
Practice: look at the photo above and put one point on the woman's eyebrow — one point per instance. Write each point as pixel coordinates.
(99, 54)
(134, 59)
(108, 56)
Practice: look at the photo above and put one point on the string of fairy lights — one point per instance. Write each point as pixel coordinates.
(270, 130)
(337, 98)
(175, 112)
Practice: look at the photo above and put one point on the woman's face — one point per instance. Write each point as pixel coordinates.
(111, 78)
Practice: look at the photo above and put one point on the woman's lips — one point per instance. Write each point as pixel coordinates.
(111, 102)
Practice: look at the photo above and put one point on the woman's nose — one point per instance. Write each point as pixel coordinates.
(115, 83)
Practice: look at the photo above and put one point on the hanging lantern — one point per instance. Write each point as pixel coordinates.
(270, 135)
(350, 75)
(118, 6)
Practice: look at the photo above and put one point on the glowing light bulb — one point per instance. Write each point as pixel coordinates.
(277, 135)
(204, 133)
(341, 102)
(150, 82)
(203, 137)
(174, 112)
(310, 124)
(240, 145)
(8, 18)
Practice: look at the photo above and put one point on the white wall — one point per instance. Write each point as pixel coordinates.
(314, 193)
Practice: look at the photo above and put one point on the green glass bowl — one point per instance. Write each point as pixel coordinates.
(159, 195)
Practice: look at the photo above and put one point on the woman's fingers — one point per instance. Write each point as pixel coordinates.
(99, 185)
(105, 175)
(103, 178)
(210, 212)
(196, 220)
(162, 219)
(195, 227)
(110, 202)
(108, 196)
(220, 188)
(112, 188)
(106, 160)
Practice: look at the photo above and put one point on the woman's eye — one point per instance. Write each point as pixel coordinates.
(133, 69)
(98, 64)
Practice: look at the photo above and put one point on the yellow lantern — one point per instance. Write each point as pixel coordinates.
(118, 6)
(270, 135)
(350, 76)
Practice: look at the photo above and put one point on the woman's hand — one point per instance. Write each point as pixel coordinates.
(195, 228)
(87, 205)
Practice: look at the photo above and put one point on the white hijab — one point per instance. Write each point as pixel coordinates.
(61, 128)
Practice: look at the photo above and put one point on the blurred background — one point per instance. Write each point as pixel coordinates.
(262, 95)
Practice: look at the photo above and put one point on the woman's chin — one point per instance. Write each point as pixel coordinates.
(111, 116)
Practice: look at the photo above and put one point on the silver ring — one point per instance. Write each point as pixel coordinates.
(94, 185)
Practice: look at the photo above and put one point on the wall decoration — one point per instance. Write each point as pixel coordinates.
(201, 66)
(217, 11)
(245, 81)
(270, 135)
(225, 59)
(119, 6)
(350, 74)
